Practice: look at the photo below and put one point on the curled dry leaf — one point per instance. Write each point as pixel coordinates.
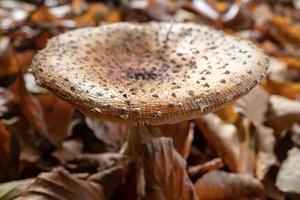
(283, 113)
(165, 172)
(182, 135)
(218, 185)
(61, 185)
(288, 178)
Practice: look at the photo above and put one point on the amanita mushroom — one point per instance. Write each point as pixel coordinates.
(149, 74)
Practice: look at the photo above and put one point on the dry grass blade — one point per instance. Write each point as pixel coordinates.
(218, 185)
(165, 173)
(61, 185)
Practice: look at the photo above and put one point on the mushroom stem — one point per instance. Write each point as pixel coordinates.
(138, 136)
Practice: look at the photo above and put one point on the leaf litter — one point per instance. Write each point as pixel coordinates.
(247, 150)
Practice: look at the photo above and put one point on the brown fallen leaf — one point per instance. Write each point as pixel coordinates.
(112, 134)
(228, 114)
(58, 115)
(211, 165)
(283, 113)
(6, 101)
(287, 89)
(8, 62)
(255, 103)
(288, 178)
(59, 184)
(69, 150)
(286, 31)
(219, 185)
(32, 115)
(9, 151)
(165, 172)
(42, 14)
(111, 179)
(265, 155)
(11, 190)
(182, 135)
(96, 162)
(291, 61)
(223, 137)
(91, 14)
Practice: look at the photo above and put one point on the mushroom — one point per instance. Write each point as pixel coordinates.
(149, 74)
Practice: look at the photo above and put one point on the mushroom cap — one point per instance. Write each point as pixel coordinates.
(151, 73)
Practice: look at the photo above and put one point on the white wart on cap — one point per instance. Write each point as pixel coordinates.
(152, 73)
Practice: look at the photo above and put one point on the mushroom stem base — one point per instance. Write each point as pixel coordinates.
(137, 137)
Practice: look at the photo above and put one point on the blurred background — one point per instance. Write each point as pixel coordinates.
(259, 136)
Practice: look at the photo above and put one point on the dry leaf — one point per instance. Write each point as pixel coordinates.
(31, 108)
(228, 114)
(111, 179)
(8, 62)
(9, 151)
(61, 185)
(287, 89)
(218, 185)
(13, 189)
(58, 115)
(265, 142)
(6, 101)
(182, 135)
(42, 14)
(97, 162)
(165, 172)
(95, 12)
(211, 165)
(286, 32)
(112, 134)
(288, 178)
(291, 61)
(283, 113)
(223, 137)
(70, 149)
(255, 103)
